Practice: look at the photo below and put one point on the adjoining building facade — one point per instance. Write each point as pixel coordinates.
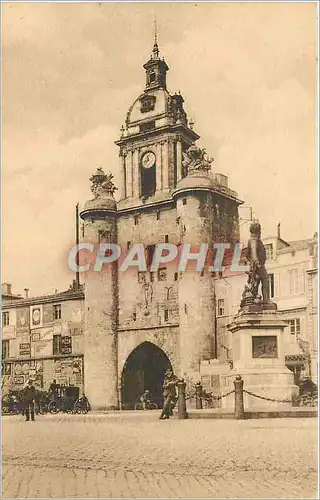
(42, 339)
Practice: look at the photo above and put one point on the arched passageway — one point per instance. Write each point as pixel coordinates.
(144, 369)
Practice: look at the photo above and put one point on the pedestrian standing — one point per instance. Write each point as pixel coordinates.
(169, 394)
(29, 396)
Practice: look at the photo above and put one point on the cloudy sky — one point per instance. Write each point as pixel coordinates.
(70, 72)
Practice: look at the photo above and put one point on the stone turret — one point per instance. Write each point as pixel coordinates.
(196, 295)
(101, 298)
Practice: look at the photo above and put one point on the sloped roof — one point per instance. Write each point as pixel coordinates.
(70, 294)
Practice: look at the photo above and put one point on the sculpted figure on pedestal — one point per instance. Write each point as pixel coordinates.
(256, 255)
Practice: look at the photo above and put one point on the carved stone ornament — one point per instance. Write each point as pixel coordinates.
(101, 183)
(196, 159)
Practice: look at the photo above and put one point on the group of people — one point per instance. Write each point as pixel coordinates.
(169, 395)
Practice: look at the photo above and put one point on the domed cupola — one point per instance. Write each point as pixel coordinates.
(151, 108)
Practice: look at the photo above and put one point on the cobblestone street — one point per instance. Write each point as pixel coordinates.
(135, 455)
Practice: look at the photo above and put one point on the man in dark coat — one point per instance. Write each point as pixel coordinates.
(256, 254)
(53, 389)
(29, 395)
(169, 394)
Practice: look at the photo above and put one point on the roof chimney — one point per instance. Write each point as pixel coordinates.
(6, 288)
(26, 291)
(278, 231)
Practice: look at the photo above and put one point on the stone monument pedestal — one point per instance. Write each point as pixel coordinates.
(257, 348)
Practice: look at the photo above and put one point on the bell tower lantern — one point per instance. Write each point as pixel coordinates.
(156, 70)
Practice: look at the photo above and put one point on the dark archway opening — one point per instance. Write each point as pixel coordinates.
(148, 181)
(144, 369)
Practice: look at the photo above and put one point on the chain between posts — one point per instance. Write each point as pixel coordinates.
(207, 397)
(210, 396)
(267, 399)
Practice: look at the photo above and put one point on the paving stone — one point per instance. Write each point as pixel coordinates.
(120, 455)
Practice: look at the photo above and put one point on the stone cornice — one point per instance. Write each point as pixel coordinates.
(193, 136)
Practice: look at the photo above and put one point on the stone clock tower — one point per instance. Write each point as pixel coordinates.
(155, 134)
(138, 324)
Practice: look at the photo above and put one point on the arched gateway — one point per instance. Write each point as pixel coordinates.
(144, 369)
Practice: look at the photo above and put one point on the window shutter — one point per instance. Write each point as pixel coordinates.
(302, 280)
(284, 283)
(276, 284)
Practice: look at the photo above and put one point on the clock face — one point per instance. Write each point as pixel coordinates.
(148, 159)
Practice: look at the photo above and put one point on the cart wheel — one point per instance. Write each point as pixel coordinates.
(152, 406)
(53, 407)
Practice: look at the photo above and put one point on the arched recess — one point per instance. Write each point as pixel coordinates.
(144, 369)
(148, 181)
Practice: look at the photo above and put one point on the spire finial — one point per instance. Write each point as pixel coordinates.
(155, 49)
(155, 32)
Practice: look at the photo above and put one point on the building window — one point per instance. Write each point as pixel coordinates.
(149, 254)
(104, 236)
(184, 201)
(158, 215)
(271, 285)
(166, 238)
(147, 103)
(269, 251)
(295, 281)
(128, 245)
(220, 307)
(56, 345)
(166, 314)
(296, 284)
(152, 77)
(134, 316)
(185, 309)
(135, 220)
(5, 318)
(176, 276)
(57, 311)
(145, 127)
(5, 349)
(294, 325)
(162, 274)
